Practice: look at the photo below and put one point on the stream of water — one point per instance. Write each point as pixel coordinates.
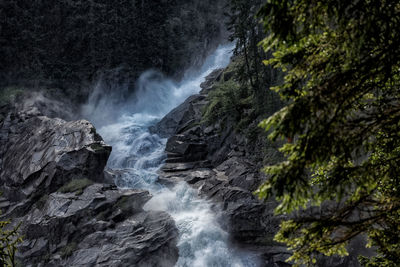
(140, 154)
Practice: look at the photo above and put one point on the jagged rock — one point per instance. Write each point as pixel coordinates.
(231, 176)
(39, 154)
(188, 114)
(186, 149)
(103, 226)
(185, 166)
(50, 103)
(53, 179)
(207, 85)
(228, 178)
(179, 118)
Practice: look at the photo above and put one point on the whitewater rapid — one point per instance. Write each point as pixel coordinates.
(138, 155)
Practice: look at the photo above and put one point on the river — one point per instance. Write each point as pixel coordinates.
(139, 154)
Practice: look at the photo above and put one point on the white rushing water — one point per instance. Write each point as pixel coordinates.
(140, 154)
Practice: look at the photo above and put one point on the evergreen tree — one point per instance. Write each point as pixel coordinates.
(342, 75)
(253, 76)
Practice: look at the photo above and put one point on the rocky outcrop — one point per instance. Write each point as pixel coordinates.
(224, 165)
(221, 164)
(103, 226)
(53, 182)
(38, 155)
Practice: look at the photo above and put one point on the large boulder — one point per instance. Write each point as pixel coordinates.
(53, 182)
(99, 226)
(39, 154)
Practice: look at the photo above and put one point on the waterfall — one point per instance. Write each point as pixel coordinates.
(138, 155)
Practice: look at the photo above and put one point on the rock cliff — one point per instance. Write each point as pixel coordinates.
(224, 165)
(53, 183)
(221, 164)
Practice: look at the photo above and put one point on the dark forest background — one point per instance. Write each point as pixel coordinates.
(65, 42)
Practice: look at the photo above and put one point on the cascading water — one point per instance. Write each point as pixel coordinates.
(139, 155)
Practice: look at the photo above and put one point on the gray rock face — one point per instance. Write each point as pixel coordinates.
(103, 226)
(38, 155)
(224, 166)
(219, 163)
(53, 182)
(50, 103)
(188, 113)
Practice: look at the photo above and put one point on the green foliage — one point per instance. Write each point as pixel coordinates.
(224, 99)
(76, 185)
(9, 239)
(8, 244)
(247, 32)
(243, 97)
(341, 61)
(230, 102)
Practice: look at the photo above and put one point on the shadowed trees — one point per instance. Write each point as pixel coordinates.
(342, 81)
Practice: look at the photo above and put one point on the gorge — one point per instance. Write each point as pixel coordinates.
(184, 194)
(138, 155)
(199, 133)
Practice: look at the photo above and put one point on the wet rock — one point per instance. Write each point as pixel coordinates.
(185, 166)
(53, 179)
(39, 155)
(228, 178)
(103, 226)
(189, 114)
(214, 76)
(180, 117)
(186, 148)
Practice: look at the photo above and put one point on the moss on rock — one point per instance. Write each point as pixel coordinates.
(68, 250)
(76, 185)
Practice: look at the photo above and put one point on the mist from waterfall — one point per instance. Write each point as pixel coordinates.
(138, 154)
